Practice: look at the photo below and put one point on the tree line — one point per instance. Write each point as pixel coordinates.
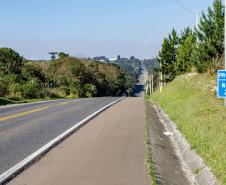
(65, 77)
(200, 49)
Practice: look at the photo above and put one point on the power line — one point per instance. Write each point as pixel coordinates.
(185, 7)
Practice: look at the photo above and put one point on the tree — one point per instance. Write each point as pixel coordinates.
(167, 56)
(66, 76)
(32, 71)
(184, 52)
(210, 35)
(89, 90)
(10, 61)
(63, 55)
(185, 34)
(31, 90)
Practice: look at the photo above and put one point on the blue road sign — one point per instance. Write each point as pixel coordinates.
(221, 82)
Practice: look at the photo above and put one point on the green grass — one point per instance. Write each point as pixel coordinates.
(4, 101)
(150, 164)
(200, 116)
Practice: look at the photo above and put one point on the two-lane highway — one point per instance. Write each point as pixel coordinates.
(109, 150)
(26, 128)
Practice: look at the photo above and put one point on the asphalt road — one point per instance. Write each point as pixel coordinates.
(109, 150)
(26, 128)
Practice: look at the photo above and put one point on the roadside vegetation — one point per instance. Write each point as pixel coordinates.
(190, 101)
(4, 101)
(200, 49)
(188, 63)
(66, 77)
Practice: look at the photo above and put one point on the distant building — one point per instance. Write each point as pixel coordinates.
(101, 59)
(113, 60)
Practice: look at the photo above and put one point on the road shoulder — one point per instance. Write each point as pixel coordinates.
(167, 166)
(109, 150)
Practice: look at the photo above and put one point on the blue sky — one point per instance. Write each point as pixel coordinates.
(90, 28)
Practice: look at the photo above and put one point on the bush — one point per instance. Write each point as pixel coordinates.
(64, 91)
(32, 71)
(15, 89)
(90, 90)
(31, 90)
(52, 93)
(74, 92)
(3, 88)
(66, 76)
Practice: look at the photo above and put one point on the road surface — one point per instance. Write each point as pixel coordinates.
(109, 150)
(26, 128)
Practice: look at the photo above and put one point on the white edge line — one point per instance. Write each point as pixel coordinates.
(9, 173)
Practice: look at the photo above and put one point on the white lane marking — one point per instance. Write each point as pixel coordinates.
(19, 166)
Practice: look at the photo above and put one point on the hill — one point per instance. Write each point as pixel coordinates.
(150, 64)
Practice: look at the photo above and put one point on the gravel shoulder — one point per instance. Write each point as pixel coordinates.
(167, 165)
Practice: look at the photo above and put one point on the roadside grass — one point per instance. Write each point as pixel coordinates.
(150, 164)
(4, 101)
(191, 103)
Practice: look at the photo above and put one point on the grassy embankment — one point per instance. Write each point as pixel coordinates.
(191, 103)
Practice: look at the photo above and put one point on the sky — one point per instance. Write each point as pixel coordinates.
(88, 28)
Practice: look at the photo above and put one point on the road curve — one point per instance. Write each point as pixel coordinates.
(26, 128)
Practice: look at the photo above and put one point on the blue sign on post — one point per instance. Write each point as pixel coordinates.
(221, 82)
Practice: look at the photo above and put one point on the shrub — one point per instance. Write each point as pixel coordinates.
(64, 91)
(3, 88)
(89, 90)
(74, 92)
(15, 88)
(31, 90)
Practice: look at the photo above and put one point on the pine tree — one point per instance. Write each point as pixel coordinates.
(184, 52)
(210, 35)
(167, 56)
(184, 34)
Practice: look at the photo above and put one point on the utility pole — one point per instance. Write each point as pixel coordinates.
(160, 77)
(197, 21)
(197, 27)
(152, 83)
(148, 88)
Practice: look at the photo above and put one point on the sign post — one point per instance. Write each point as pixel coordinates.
(224, 49)
(221, 83)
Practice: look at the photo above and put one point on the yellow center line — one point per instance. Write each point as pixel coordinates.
(64, 103)
(4, 118)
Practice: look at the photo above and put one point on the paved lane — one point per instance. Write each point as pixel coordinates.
(109, 150)
(26, 128)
